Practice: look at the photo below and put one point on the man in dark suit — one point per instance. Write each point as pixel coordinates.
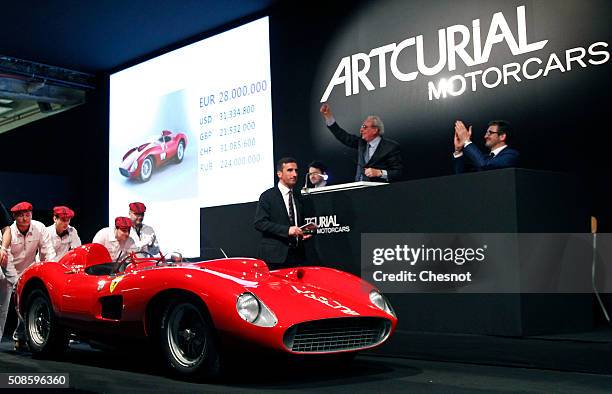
(278, 217)
(378, 159)
(496, 139)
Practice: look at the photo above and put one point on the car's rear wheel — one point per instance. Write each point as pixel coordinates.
(180, 151)
(188, 342)
(146, 169)
(44, 334)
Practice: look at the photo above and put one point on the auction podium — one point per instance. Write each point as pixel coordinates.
(500, 201)
(342, 186)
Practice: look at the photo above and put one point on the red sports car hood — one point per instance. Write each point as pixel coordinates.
(306, 301)
(302, 294)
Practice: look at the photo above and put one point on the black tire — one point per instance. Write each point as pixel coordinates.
(44, 335)
(180, 151)
(187, 340)
(146, 169)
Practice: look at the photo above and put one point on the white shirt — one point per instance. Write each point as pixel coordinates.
(147, 241)
(496, 151)
(372, 145)
(285, 192)
(116, 249)
(24, 248)
(63, 244)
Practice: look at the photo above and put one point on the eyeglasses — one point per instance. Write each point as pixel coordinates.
(365, 126)
(488, 132)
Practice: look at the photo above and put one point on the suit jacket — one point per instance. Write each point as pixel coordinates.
(386, 157)
(272, 220)
(508, 157)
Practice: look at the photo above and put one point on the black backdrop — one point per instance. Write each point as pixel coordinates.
(560, 121)
(556, 118)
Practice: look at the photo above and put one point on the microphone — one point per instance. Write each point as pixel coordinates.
(305, 188)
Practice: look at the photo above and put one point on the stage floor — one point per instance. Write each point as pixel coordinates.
(589, 352)
(109, 372)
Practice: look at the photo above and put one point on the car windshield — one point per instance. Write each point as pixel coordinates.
(122, 263)
(115, 267)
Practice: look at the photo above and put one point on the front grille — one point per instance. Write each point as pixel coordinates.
(124, 172)
(333, 335)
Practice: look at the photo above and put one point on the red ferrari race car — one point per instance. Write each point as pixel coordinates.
(139, 162)
(195, 312)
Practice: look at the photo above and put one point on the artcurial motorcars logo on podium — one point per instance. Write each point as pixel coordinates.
(328, 224)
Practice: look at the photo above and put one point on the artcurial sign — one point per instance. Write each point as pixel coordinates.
(461, 43)
(328, 224)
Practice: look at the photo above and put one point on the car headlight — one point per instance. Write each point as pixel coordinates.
(134, 166)
(252, 310)
(381, 302)
(248, 307)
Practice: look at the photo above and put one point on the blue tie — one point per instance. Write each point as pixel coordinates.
(367, 153)
(359, 176)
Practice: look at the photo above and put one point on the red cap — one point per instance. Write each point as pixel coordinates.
(63, 212)
(123, 223)
(22, 206)
(138, 207)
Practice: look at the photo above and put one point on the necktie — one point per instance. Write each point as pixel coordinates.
(367, 153)
(292, 240)
(491, 155)
(366, 157)
(291, 209)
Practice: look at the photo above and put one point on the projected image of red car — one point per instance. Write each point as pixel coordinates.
(140, 162)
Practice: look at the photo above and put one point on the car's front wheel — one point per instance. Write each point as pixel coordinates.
(188, 342)
(180, 151)
(146, 170)
(44, 334)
